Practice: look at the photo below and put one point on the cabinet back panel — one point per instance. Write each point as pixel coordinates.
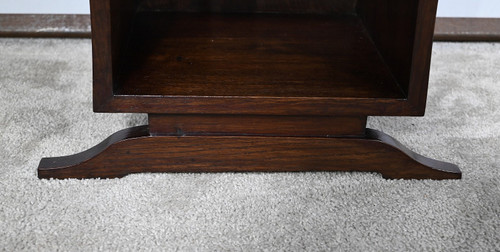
(252, 6)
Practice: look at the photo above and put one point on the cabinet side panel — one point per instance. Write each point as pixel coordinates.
(391, 25)
(422, 53)
(111, 24)
(101, 53)
(253, 6)
(402, 31)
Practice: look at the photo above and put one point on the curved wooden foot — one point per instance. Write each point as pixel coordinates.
(134, 150)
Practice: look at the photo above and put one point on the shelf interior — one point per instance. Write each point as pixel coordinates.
(253, 55)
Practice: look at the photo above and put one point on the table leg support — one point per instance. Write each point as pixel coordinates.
(135, 150)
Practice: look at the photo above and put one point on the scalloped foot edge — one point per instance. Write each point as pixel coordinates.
(135, 150)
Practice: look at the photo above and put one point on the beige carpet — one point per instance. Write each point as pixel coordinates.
(46, 110)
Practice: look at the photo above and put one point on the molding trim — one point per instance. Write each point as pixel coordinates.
(45, 25)
(467, 29)
(78, 26)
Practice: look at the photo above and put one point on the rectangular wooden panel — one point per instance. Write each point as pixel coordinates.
(182, 125)
(111, 23)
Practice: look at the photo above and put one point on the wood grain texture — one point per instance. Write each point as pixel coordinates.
(111, 23)
(239, 89)
(102, 53)
(45, 25)
(297, 106)
(402, 32)
(421, 55)
(253, 55)
(252, 6)
(265, 63)
(223, 64)
(467, 29)
(391, 25)
(134, 150)
(252, 125)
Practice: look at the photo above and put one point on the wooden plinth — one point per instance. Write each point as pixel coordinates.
(254, 125)
(135, 150)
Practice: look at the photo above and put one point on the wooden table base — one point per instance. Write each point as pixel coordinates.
(136, 150)
(274, 87)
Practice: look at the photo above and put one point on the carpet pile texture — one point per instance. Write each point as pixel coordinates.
(46, 111)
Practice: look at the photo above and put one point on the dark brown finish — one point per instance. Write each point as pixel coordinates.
(111, 22)
(260, 85)
(187, 125)
(102, 56)
(254, 55)
(467, 29)
(421, 55)
(391, 25)
(255, 6)
(134, 150)
(297, 106)
(45, 25)
(254, 63)
(402, 31)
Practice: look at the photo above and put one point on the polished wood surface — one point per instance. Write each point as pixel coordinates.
(402, 32)
(232, 86)
(391, 25)
(102, 56)
(135, 150)
(111, 23)
(252, 125)
(259, 63)
(254, 55)
(296, 106)
(421, 55)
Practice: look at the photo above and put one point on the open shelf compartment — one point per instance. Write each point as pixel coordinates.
(267, 55)
(343, 54)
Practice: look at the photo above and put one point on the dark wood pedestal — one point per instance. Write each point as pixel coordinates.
(257, 85)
